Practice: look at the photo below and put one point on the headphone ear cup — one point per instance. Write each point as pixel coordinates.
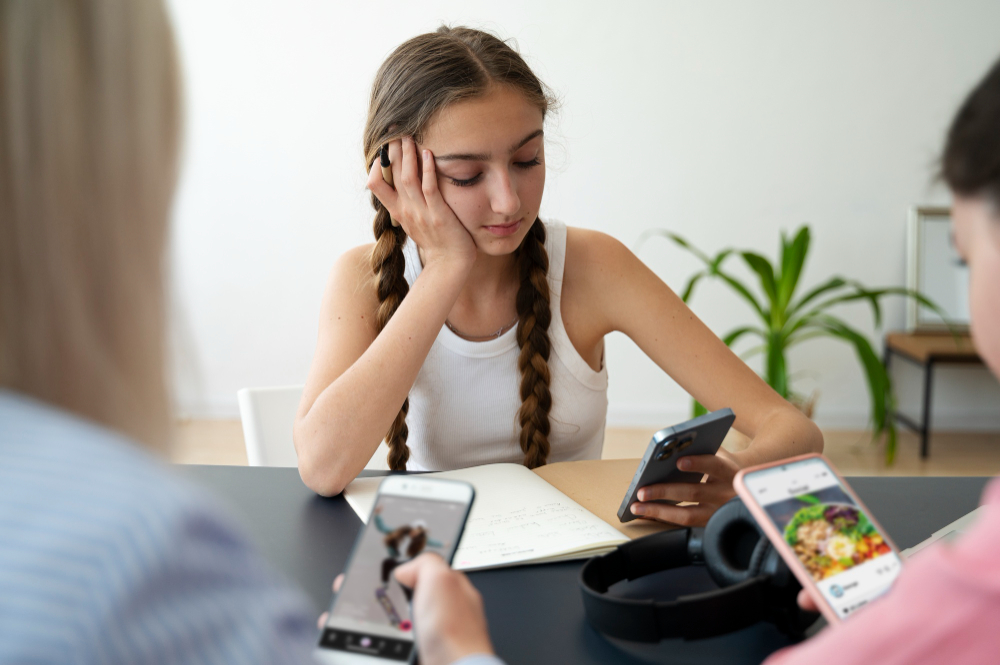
(734, 547)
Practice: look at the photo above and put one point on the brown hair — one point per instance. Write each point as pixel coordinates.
(970, 163)
(419, 78)
(89, 129)
(418, 539)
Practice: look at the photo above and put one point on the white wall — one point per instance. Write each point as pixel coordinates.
(726, 121)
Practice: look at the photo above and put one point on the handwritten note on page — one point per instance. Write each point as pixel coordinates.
(516, 518)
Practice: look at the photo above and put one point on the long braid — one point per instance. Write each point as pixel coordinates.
(388, 265)
(535, 314)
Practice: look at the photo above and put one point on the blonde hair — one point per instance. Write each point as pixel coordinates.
(89, 131)
(422, 76)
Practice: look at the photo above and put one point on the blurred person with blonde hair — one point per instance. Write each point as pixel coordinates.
(105, 556)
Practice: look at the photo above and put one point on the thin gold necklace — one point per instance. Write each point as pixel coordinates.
(481, 338)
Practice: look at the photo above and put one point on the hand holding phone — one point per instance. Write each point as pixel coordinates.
(370, 620)
(449, 610)
(829, 540)
(659, 483)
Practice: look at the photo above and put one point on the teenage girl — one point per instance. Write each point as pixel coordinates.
(472, 331)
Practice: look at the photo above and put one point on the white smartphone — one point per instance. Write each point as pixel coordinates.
(369, 620)
(830, 541)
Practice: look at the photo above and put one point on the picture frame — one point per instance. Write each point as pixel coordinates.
(935, 269)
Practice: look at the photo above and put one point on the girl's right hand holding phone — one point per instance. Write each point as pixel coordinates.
(416, 203)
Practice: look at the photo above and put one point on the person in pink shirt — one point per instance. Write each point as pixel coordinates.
(945, 605)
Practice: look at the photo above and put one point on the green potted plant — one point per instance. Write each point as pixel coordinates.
(786, 318)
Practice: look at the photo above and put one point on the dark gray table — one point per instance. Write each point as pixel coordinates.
(535, 612)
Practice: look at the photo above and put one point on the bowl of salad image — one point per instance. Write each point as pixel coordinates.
(830, 538)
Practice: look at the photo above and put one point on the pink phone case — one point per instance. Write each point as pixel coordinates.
(784, 549)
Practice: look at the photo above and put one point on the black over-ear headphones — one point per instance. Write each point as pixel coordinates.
(754, 583)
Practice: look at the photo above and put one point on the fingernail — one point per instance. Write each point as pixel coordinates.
(641, 495)
(636, 509)
(684, 464)
(426, 154)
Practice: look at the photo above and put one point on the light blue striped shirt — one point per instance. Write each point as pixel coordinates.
(107, 557)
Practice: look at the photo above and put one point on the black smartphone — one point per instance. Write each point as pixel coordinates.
(699, 436)
(369, 621)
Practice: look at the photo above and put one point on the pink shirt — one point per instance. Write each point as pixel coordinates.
(943, 608)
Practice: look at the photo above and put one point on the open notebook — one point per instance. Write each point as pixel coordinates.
(522, 516)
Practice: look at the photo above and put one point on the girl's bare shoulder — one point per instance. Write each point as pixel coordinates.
(594, 257)
(598, 271)
(352, 276)
(356, 260)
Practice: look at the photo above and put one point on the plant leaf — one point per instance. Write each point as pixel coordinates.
(890, 442)
(697, 409)
(776, 372)
(827, 286)
(713, 264)
(793, 258)
(734, 335)
(800, 337)
(860, 293)
(879, 383)
(717, 261)
(752, 351)
(745, 292)
(872, 296)
(689, 287)
(765, 272)
(678, 240)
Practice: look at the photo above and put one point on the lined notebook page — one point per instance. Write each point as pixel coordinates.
(516, 518)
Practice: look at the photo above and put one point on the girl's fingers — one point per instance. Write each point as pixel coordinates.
(409, 180)
(396, 159)
(707, 494)
(806, 601)
(682, 515)
(695, 492)
(381, 189)
(717, 468)
(429, 183)
(429, 187)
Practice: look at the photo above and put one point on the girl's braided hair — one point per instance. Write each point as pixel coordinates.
(422, 76)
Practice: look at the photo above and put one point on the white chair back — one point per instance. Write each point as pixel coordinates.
(268, 416)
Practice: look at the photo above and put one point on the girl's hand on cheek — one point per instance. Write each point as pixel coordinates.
(417, 205)
(709, 495)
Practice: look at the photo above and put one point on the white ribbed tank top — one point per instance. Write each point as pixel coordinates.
(464, 402)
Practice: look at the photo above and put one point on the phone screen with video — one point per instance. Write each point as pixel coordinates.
(370, 617)
(848, 558)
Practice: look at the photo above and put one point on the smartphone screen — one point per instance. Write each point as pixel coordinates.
(369, 620)
(848, 559)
